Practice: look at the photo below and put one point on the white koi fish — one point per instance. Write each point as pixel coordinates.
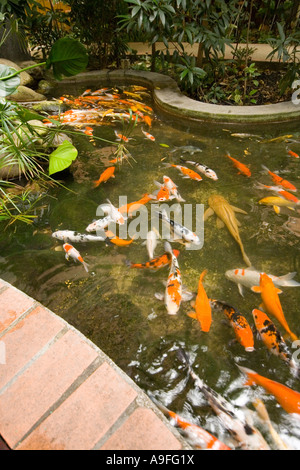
(202, 169)
(99, 224)
(71, 252)
(151, 243)
(250, 277)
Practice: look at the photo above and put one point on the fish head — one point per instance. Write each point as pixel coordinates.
(67, 247)
(260, 319)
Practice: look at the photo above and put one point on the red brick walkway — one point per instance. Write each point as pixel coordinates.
(58, 391)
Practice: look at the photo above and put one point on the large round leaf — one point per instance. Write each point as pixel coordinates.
(67, 57)
(62, 157)
(8, 86)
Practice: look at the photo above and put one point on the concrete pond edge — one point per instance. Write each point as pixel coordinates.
(171, 101)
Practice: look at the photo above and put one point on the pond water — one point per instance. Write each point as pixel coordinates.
(116, 307)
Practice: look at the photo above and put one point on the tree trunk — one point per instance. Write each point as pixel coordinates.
(153, 55)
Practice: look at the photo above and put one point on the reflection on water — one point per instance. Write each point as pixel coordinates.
(115, 306)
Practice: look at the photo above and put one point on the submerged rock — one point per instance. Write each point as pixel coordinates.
(24, 94)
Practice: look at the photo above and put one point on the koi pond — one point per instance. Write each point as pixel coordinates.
(118, 307)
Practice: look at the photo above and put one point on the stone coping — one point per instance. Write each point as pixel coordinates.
(169, 99)
(59, 391)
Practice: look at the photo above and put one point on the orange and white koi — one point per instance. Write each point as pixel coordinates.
(240, 325)
(173, 292)
(186, 173)
(71, 252)
(105, 176)
(197, 436)
(162, 194)
(293, 154)
(243, 169)
(250, 277)
(148, 136)
(202, 307)
(280, 181)
(121, 137)
(172, 187)
(271, 303)
(115, 214)
(288, 398)
(89, 130)
(246, 435)
(156, 263)
(272, 339)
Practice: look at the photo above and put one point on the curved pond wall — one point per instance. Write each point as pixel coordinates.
(169, 99)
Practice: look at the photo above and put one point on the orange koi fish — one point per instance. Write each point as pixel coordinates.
(271, 303)
(147, 119)
(105, 176)
(242, 329)
(116, 240)
(289, 399)
(133, 206)
(156, 263)
(243, 169)
(285, 194)
(197, 436)
(148, 136)
(71, 252)
(293, 154)
(202, 307)
(272, 338)
(89, 130)
(187, 173)
(280, 181)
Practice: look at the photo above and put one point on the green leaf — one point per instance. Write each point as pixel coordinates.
(62, 157)
(67, 57)
(7, 87)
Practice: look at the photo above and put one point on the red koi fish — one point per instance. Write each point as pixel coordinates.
(242, 329)
(280, 181)
(202, 307)
(243, 169)
(271, 303)
(197, 436)
(186, 172)
(289, 399)
(105, 176)
(71, 252)
(293, 154)
(155, 263)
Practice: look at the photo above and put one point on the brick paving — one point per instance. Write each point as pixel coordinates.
(59, 391)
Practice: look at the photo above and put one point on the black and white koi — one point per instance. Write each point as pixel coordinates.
(202, 169)
(72, 236)
(179, 230)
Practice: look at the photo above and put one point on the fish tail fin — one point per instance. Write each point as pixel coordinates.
(96, 183)
(249, 373)
(167, 165)
(203, 274)
(85, 265)
(183, 357)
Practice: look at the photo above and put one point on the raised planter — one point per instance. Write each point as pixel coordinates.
(169, 99)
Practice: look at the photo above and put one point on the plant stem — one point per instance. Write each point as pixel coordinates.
(22, 70)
